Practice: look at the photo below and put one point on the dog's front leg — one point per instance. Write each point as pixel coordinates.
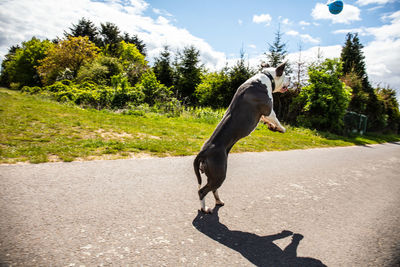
(273, 122)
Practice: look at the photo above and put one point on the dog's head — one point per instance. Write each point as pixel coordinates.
(281, 80)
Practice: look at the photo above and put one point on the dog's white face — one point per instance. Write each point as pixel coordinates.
(281, 80)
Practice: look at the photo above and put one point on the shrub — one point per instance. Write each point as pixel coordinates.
(100, 70)
(325, 100)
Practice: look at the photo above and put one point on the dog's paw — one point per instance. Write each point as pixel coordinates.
(219, 203)
(206, 210)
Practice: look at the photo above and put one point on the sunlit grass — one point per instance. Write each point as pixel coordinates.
(33, 129)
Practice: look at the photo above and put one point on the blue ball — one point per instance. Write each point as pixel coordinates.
(336, 7)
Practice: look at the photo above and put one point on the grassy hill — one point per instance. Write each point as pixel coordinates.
(33, 129)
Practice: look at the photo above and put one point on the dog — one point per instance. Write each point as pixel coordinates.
(252, 101)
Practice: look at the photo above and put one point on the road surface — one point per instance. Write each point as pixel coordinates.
(330, 206)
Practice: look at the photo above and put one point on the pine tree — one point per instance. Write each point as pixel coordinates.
(188, 74)
(353, 59)
(238, 74)
(354, 64)
(277, 51)
(140, 45)
(300, 72)
(111, 37)
(277, 54)
(163, 67)
(84, 27)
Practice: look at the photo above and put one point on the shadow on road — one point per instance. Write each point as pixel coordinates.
(259, 250)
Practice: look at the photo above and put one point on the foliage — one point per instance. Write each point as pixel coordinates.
(155, 91)
(238, 74)
(353, 58)
(218, 88)
(325, 100)
(140, 45)
(213, 89)
(391, 107)
(133, 62)
(110, 34)
(84, 27)
(100, 70)
(163, 67)
(188, 74)
(69, 54)
(359, 98)
(20, 66)
(89, 94)
(277, 50)
(364, 99)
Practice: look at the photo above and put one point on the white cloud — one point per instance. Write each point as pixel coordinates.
(360, 31)
(304, 23)
(263, 18)
(304, 37)
(240, 22)
(368, 2)
(252, 46)
(20, 20)
(350, 13)
(311, 55)
(286, 21)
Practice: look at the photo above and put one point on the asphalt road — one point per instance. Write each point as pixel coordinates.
(341, 204)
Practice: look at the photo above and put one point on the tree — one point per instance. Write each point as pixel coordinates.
(325, 100)
(238, 74)
(100, 70)
(110, 34)
(213, 89)
(277, 54)
(353, 59)
(300, 72)
(188, 74)
(133, 62)
(140, 45)
(84, 27)
(5, 75)
(163, 67)
(20, 66)
(70, 55)
(277, 51)
(353, 62)
(387, 96)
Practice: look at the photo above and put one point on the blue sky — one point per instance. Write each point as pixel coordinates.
(220, 28)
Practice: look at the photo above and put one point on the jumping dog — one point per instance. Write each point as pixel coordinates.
(252, 101)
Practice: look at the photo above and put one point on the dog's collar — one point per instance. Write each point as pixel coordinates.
(271, 78)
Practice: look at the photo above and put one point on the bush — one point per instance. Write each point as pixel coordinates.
(325, 100)
(89, 94)
(100, 70)
(214, 90)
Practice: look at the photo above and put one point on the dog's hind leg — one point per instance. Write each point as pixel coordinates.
(202, 194)
(218, 201)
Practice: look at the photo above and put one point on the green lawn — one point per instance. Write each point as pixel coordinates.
(33, 129)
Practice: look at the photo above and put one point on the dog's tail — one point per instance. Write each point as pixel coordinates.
(196, 165)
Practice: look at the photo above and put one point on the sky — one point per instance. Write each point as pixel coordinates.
(220, 29)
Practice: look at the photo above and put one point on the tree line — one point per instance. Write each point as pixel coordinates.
(101, 67)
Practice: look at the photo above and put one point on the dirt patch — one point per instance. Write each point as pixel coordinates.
(142, 136)
(112, 135)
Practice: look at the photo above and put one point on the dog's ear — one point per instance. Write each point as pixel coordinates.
(279, 69)
(264, 65)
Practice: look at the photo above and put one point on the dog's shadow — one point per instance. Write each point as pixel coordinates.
(259, 250)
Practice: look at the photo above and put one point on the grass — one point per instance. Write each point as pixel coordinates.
(33, 129)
